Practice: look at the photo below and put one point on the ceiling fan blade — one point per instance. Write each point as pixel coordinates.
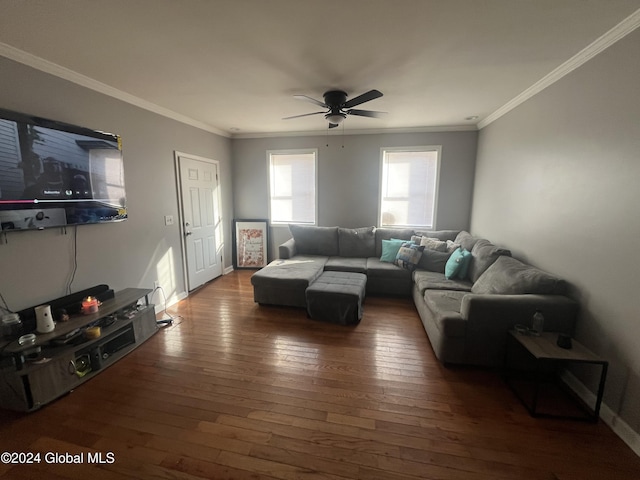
(366, 113)
(365, 97)
(312, 100)
(303, 115)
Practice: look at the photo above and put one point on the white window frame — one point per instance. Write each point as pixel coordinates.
(426, 148)
(304, 151)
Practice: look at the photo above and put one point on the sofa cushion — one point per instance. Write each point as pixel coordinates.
(378, 268)
(313, 240)
(384, 233)
(465, 240)
(357, 242)
(483, 254)
(345, 264)
(433, 261)
(298, 272)
(445, 307)
(426, 280)
(510, 276)
(409, 256)
(458, 264)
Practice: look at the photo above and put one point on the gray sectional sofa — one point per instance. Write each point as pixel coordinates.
(466, 315)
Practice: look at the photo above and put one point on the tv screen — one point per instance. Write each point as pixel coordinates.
(54, 174)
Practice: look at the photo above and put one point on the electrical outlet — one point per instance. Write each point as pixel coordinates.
(168, 220)
(156, 284)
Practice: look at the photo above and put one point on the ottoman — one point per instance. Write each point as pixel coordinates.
(337, 297)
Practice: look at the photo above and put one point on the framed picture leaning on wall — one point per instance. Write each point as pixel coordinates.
(250, 243)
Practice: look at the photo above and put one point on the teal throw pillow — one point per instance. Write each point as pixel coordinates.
(390, 250)
(466, 262)
(409, 256)
(458, 264)
(404, 241)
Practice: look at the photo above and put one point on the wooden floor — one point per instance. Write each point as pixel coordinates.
(233, 390)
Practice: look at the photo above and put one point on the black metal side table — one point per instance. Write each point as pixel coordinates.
(540, 362)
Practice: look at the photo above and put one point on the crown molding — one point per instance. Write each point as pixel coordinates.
(59, 71)
(618, 32)
(56, 70)
(628, 25)
(340, 132)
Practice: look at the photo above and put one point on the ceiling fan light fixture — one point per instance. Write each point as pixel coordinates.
(338, 107)
(335, 118)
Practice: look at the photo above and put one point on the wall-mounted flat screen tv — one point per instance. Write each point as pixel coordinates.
(53, 174)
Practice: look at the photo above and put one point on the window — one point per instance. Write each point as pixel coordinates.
(292, 186)
(409, 184)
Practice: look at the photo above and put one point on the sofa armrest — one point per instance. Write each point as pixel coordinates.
(504, 311)
(490, 316)
(287, 249)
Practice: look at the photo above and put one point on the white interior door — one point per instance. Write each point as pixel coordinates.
(201, 218)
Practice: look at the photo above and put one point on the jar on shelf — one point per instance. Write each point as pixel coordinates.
(11, 325)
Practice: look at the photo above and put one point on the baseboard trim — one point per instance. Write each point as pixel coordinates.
(608, 416)
(228, 270)
(172, 300)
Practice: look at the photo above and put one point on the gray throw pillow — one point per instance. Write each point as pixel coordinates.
(357, 242)
(433, 261)
(452, 246)
(439, 234)
(512, 277)
(312, 240)
(431, 243)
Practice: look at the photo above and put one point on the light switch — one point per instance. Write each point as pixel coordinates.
(168, 220)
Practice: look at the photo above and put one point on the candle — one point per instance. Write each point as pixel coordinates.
(92, 332)
(89, 305)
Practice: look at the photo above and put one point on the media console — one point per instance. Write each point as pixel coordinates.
(57, 362)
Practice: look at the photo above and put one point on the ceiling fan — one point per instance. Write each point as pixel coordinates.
(339, 107)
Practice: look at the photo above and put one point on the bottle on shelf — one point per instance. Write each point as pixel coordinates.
(537, 323)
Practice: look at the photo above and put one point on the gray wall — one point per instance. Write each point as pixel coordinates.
(557, 182)
(36, 266)
(349, 177)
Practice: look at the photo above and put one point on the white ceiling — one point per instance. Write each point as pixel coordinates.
(233, 66)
